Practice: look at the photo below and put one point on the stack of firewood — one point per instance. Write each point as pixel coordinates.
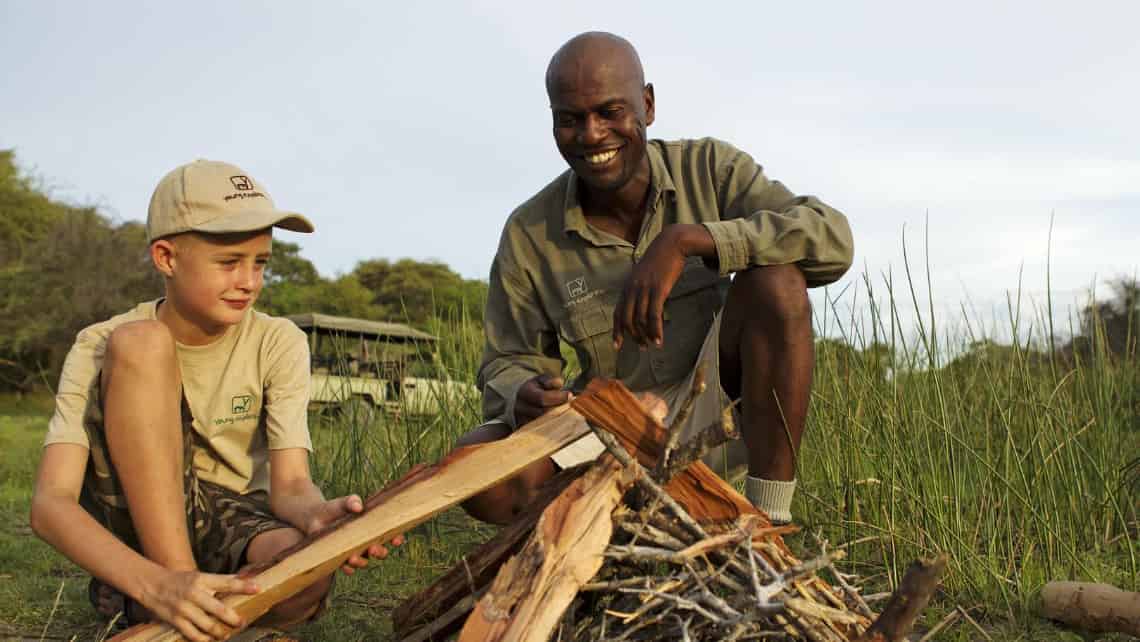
(647, 543)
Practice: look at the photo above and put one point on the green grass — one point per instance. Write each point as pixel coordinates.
(1014, 464)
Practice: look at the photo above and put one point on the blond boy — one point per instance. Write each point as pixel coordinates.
(179, 447)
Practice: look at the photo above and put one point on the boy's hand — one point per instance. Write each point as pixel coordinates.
(188, 601)
(332, 510)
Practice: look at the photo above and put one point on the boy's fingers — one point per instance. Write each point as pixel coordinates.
(398, 540)
(353, 504)
(224, 614)
(189, 630)
(228, 584)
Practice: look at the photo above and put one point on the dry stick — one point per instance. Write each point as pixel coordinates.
(445, 620)
(677, 426)
(647, 483)
(908, 600)
(946, 622)
(974, 623)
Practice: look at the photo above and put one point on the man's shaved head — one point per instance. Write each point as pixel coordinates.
(601, 108)
(594, 52)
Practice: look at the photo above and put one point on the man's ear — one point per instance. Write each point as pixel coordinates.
(162, 254)
(650, 103)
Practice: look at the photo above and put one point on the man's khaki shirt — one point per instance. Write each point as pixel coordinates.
(556, 277)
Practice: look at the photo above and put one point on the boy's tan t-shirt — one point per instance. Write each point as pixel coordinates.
(248, 392)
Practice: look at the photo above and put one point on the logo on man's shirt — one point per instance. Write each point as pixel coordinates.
(241, 404)
(576, 287)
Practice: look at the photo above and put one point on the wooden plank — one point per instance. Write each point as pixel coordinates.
(533, 589)
(475, 571)
(419, 496)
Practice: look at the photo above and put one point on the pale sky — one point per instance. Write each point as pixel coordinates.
(413, 129)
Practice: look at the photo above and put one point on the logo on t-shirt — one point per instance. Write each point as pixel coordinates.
(241, 404)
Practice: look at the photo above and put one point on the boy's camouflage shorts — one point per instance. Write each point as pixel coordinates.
(221, 522)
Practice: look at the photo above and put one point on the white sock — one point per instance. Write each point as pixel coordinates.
(772, 497)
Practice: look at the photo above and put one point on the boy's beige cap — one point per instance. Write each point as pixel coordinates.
(215, 198)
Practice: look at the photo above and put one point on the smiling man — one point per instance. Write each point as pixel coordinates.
(650, 258)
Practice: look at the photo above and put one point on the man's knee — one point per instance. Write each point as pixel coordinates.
(774, 293)
(140, 343)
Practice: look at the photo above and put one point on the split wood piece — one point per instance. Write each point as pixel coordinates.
(1099, 608)
(475, 571)
(907, 601)
(419, 496)
(526, 601)
(707, 497)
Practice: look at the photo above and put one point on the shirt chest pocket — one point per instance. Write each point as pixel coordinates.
(590, 332)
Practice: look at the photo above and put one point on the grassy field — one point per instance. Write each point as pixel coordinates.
(1022, 470)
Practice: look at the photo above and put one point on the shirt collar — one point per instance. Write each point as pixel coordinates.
(574, 220)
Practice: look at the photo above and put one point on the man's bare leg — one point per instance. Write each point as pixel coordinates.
(142, 410)
(500, 504)
(766, 358)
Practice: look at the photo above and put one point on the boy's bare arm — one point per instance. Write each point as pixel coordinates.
(183, 599)
(294, 498)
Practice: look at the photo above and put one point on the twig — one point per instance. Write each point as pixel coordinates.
(643, 480)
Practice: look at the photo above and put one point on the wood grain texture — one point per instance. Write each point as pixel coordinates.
(533, 589)
(1099, 608)
(478, 568)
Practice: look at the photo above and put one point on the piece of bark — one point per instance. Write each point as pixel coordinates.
(533, 589)
(907, 601)
(423, 493)
(707, 497)
(1100, 608)
(477, 568)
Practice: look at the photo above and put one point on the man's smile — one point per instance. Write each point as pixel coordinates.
(597, 159)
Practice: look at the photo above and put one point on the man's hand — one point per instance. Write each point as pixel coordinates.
(538, 396)
(640, 310)
(329, 512)
(188, 601)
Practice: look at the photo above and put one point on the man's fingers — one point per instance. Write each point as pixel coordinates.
(398, 540)
(550, 382)
(644, 315)
(657, 318)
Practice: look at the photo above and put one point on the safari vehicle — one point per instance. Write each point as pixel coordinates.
(368, 366)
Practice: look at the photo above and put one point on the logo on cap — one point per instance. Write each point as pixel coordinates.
(242, 183)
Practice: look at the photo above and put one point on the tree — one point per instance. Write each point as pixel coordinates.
(417, 291)
(82, 270)
(1111, 326)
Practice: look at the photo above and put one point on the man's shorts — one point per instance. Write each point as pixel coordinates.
(221, 522)
(728, 460)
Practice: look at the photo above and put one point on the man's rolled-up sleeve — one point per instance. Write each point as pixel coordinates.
(520, 342)
(764, 223)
